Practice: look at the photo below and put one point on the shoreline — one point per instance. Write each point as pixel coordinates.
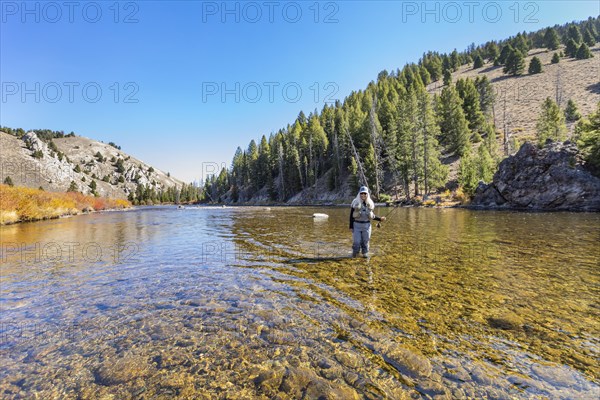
(280, 205)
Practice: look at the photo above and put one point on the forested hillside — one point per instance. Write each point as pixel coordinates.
(442, 123)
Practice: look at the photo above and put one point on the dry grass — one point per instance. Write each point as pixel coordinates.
(19, 204)
(519, 99)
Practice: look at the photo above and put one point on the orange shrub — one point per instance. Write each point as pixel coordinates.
(26, 204)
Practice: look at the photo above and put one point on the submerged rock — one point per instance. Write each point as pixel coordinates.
(551, 178)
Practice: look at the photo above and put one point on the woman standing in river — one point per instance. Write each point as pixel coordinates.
(361, 214)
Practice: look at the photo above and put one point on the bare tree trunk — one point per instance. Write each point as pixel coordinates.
(357, 158)
(506, 129)
(376, 148)
(281, 177)
(558, 87)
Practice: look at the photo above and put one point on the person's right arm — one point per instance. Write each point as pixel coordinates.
(351, 219)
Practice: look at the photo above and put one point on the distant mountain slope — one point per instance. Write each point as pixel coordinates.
(53, 165)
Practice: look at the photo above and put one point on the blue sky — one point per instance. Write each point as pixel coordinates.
(182, 84)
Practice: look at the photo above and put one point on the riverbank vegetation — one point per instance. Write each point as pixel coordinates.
(19, 204)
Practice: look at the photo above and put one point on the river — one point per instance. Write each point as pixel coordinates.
(256, 302)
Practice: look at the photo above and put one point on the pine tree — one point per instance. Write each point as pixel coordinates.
(571, 48)
(491, 143)
(471, 105)
(487, 95)
(574, 33)
(72, 187)
(571, 112)
(478, 62)
(492, 51)
(447, 78)
(434, 173)
(551, 123)
(8, 181)
(551, 39)
(583, 53)
(406, 139)
(507, 50)
(535, 66)
(519, 43)
(453, 124)
(588, 38)
(587, 133)
(515, 63)
(555, 58)
(467, 173)
(485, 165)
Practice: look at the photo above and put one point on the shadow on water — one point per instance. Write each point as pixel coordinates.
(319, 260)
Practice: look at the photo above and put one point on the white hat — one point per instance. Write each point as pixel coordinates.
(364, 189)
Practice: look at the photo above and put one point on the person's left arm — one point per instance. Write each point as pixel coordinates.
(376, 218)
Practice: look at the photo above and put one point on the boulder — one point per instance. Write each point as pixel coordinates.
(551, 178)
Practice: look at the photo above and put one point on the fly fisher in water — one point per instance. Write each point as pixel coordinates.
(361, 214)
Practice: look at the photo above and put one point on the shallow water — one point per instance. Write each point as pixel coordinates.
(257, 303)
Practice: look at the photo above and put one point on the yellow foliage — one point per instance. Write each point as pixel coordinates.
(429, 203)
(461, 196)
(26, 204)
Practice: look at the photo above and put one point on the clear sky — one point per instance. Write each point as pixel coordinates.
(182, 84)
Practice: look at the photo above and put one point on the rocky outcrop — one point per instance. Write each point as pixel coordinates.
(54, 165)
(550, 178)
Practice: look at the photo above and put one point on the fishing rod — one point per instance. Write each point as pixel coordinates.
(388, 215)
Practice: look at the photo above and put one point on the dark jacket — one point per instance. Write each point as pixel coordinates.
(375, 217)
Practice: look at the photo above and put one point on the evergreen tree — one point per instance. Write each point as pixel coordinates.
(487, 95)
(485, 165)
(434, 173)
(507, 50)
(77, 168)
(317, 147)
(471, 105)
(8, 181)
(120, 167)
(453, 123)
(535, 66)
(263, 167)
(571, 112)
(478, 62)
(454, 61)
(407, 139)
(583, 53)
(492, 51)
(433, 64)
(519, 43)
(551, 123)
(491, 143)
(467, 173)
(575, 34)
(447, 78)
(587, 133)
(72, 187)
(515, 63)
(571, 48)
(555, 58)
(588, 38)
(551, 39)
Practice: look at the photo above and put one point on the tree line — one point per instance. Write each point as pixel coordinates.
(393, 136)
